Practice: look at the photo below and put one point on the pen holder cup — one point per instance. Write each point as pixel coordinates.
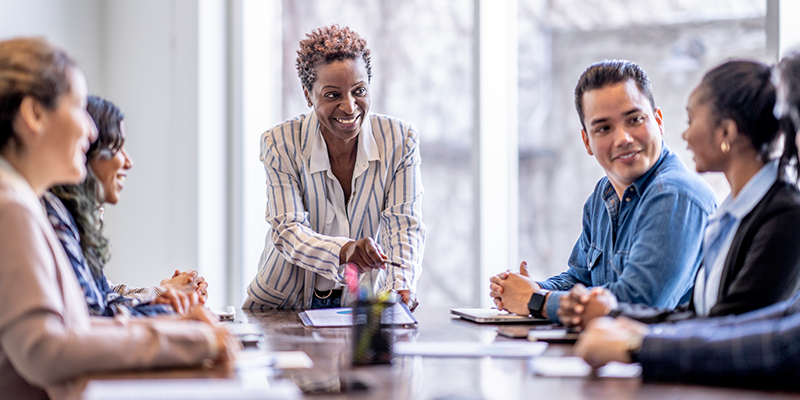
(371, 343)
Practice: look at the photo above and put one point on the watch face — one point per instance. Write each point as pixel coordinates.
(536, 303)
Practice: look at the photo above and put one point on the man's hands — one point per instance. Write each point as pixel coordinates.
(512, 291)
(581, 305)
(188, 281)
(606, 339)
(364, 253)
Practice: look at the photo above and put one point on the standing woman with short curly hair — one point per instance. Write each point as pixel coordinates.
(343, 186)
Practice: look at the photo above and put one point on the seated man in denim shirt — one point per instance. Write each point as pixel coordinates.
(643, 224)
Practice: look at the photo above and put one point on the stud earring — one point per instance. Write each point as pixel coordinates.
(725, 147)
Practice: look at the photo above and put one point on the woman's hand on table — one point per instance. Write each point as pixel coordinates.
(180, 301)
(409, 298)
(582, 305)
(228, 345)
(364, 253)
(188, 281)
(608, 339)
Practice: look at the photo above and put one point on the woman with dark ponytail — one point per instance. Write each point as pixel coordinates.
(750, 258)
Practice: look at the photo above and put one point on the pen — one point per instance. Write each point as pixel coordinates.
(396, 264)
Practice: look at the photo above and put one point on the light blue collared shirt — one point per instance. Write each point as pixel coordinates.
(722, 227)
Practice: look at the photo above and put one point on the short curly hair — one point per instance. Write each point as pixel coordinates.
(328, 44)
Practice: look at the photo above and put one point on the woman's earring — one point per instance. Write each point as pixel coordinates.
(725, 147)
(310, 105)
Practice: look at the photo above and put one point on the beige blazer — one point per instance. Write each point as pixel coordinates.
(47, 337)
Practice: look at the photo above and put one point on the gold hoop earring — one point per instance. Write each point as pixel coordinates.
(725, 147)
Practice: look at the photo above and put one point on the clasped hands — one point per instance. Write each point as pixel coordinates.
(367, 255)
(183, 290)
(512, 291)
(605, 339)
(581, 305)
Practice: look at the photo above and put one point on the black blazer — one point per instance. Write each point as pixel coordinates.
(762, 266)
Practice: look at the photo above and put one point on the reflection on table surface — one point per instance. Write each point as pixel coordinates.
(414, 377)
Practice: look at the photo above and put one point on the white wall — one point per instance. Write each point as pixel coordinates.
(164, 62)
(171, 215)
(74, 25)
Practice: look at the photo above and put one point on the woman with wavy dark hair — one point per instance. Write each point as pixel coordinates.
(47, 339)
(77, 219)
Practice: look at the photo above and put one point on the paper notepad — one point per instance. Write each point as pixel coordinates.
(511, 348)
(188, 389)
(576, 367)
(334, 317)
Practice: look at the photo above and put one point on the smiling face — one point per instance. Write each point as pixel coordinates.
(111, 172)
(623, 132)
(68, 130)
(703, 136)
(340, 97)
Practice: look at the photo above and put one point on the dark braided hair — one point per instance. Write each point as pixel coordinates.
(83, 201)
(328, 44)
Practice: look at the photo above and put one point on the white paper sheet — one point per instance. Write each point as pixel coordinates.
(576, 367)
(511, 348)
(275, 359)
(188, 389)
(335, 317)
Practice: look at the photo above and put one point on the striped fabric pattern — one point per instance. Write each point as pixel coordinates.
(385, 204)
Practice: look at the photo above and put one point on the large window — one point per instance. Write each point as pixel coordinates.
(425, 71)
(674, 41)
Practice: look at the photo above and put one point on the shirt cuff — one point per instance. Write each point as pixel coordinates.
(552, 305)
(213, 346)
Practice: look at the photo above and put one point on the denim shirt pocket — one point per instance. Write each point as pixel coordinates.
(618, 262)
(593, 257)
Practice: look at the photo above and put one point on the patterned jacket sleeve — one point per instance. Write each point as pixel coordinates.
(291, 231)
(402, 229)
(757, 349)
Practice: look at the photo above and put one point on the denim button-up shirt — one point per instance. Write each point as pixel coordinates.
(646, 247)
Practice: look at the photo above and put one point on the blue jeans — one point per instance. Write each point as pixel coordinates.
(332, 301)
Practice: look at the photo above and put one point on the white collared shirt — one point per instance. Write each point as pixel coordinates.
(337, 210)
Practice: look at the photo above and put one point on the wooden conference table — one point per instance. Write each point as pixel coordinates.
(440, 378)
